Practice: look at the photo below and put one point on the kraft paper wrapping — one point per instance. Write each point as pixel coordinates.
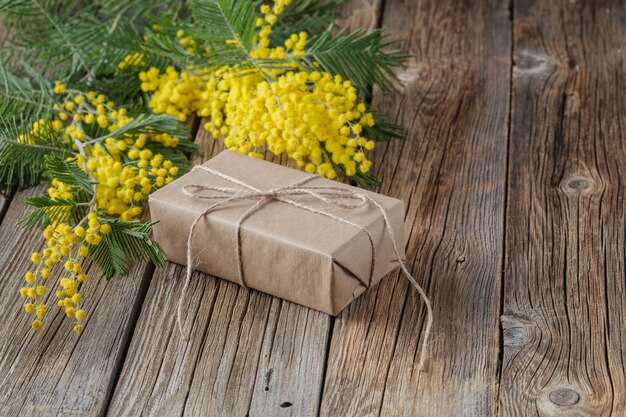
(287, 251)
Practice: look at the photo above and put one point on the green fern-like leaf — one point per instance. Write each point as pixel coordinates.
(226, 20)
(150, 123)
(22, 162)
(383, 130)
(126, 242)
(61, 32)
(226, 30)
(73, 39)
(162, 47)
(48, 210)
(365, 58)
(22, 97)
(68, 172)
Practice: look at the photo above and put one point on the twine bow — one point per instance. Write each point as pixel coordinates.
(336, 196)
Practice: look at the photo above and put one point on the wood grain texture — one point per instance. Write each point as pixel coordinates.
(560, 301)
(564, 294)
(363, 14)
(451, 174)
(55, 372)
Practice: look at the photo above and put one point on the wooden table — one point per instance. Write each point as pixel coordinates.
(514, 177)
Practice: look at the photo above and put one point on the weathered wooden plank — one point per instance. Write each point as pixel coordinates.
(163, 368)
(54, 371)
(451, 174)
(564, 292)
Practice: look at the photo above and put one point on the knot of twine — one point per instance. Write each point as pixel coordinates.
(336, 196)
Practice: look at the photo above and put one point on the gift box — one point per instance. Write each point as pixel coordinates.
(297, 236)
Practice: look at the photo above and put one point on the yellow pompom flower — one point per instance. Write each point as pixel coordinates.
(59, 88)
(83, 251)
(41, 311)
(30, 277)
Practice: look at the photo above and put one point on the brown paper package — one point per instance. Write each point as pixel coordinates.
(287, 251)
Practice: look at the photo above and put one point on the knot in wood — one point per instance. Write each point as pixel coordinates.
(409, 75)
(564, 397)
(578, 184)
(526, 62)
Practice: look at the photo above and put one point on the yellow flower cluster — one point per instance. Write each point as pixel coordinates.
(177, 94)
(314, 117)
(124, 171)
(64, 245)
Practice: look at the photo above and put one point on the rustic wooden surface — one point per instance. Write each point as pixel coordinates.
(55, 372)
(513, 177)
(564, 296)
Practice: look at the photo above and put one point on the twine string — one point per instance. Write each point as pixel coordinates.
(335, 196)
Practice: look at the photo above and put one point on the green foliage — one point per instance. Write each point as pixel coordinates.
(311, 16)
(48, 210)
(383, 130)
(127, 241)
(218, 22)
(150, 123)
(51, 31)
(21, 97)
(68, 172)
(51, 210)
(365, 180)
(224, 31)
(365, 58)
(361, 179)
(23, 162)
(64, 34)
(162, 47)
